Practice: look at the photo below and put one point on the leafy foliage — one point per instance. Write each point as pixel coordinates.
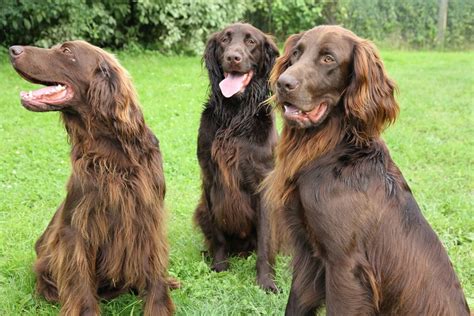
(169, 26)
(460, 27)
(182, 26)
(396, 23)
(282, 18)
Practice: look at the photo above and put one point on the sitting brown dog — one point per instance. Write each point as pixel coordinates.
(237, 136)
(107, 237)
(361, 244)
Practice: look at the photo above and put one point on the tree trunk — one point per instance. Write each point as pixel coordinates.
(442, 20)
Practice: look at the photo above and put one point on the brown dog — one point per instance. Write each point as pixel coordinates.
(235, 148)
(361, 244)
(107, 237)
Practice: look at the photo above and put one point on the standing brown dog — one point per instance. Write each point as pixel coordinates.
(108, 236)
(235, 148)
(361, 244)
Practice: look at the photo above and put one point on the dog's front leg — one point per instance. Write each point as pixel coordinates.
(265, 253)
(219, 252)
(308, 285)
(346, 290)
(74, 264)
(157, 298)
(45, 283)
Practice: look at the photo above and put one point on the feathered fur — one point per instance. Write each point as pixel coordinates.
(235, 152)
(361, 244)
(108, 236)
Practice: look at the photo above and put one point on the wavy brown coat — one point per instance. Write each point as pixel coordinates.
(108, 235)
(236, 143)
(361, 244)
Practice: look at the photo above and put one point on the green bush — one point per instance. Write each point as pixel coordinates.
(182, 26)
(281, 17)
(171, 26)
(396, 23)
(460, 27)
(410, 22)
(40, 22)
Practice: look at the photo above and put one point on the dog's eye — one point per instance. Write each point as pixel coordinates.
(295, 53)
(328, 59)
(66, 50)
(251, 41)
(225, 40)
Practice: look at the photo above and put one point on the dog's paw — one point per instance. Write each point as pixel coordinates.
(268, 285)
(220, 266)
(173, 283)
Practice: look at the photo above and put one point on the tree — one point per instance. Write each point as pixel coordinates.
(442, 21)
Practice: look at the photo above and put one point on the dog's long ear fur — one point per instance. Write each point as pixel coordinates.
(270, 54)
(113, 98)
(369, 99)
(104, 89)
(211, 59)
(283, 62)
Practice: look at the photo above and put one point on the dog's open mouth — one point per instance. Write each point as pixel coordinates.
(49, 98)
(235, 82)
(313, 116)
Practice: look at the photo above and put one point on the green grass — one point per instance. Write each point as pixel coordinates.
(432, 142)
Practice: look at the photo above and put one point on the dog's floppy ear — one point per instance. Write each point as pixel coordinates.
(211, 59)
(283, 62)
(270, 54)
(369, 99)
(112, 96)
(103, 90)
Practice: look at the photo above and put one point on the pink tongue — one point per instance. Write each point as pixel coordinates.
(232, 84)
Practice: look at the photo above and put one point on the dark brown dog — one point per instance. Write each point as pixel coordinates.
(235, 148)
(361, 244)
(107, 237)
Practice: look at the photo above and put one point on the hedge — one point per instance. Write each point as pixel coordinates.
(182, 27)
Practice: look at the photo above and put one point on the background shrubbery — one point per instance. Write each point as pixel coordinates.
(182, 26)
(395, 23)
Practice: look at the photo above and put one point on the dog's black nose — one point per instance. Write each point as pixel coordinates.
(287, 83)
(16, 51)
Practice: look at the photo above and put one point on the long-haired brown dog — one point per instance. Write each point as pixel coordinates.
(361, 244)
(237, 137)
(107, 237)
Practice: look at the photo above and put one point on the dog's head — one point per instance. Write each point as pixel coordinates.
(238, 55)
(329, 67)
(80, 79)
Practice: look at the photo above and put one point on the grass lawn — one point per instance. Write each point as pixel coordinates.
(432, 142)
